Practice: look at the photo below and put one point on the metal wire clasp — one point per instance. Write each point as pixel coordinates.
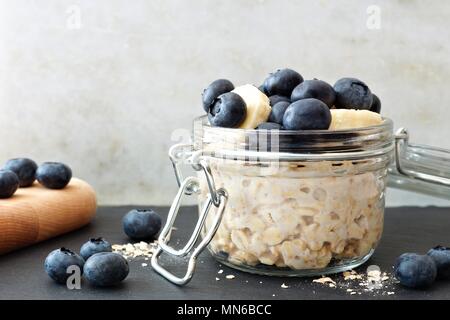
(188, 186)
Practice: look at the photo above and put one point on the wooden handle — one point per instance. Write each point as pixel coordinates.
(35, 214)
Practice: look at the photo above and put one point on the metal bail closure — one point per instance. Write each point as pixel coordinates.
(164, 237)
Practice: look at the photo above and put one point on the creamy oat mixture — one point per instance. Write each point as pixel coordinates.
(300, 215)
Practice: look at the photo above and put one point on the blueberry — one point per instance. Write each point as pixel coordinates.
(415, 271)
(269, 126)
(276, 98)
(277, 112)
(441, 256)
(229, 111)
(282, 82)
(9, 183)
(352, 93)
(53, 175)
(25, 170)
(106, 269)
(141, 224)
(307, 114)
(316, 89)
(376, 104)
(215, 89)
(58, 261)
(93, 246)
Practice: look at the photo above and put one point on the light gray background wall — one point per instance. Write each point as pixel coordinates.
(103, 85)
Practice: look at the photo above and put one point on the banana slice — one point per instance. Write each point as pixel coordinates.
(258, 106)
(350, 119)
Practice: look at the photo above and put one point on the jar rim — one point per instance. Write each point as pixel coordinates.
(293, 145)
(387, 124)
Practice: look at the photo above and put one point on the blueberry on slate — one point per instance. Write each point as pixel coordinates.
(376, 104)
(141, 224)
(415, 271)
(352, 93)
(282, 82)
(58, 261)
(441, 256)
(307, 114)
(215, 89)
(93, 246)
(277, 112)
(106, 269)
(9, 183)
(53, 175)
(316, 89)
(269, 126)
(229, 111)
(276, 98)
(25, 170)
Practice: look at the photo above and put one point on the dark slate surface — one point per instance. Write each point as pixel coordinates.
(406, 229)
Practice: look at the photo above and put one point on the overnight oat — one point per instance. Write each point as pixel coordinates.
(291, 180)
(287, 213)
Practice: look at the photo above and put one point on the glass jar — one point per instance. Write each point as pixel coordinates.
(294, 203)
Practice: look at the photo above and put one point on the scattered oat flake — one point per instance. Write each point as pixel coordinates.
(144, 264)
(284, 286)
(351, 275)
(130, 250)
(217, 279)
(230, 276)
(220, 271)
(324, 280)
(353, 292)
(390, 293)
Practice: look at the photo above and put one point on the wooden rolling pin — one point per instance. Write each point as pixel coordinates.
(35, 214)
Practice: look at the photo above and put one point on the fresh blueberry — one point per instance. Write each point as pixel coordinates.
(215, 89)
(9, 183)
(93, 246)
(141, 224)
(276, 98)
(415, 271)
(106, 269)
(277, 112)
(282, 82)
(316, 89)
(352, 93)
(441, 256)
(53, 175)
(25, 170)
(376, 104)
(269, 126)
(307, 114)
(58, 261)
(229, 111)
